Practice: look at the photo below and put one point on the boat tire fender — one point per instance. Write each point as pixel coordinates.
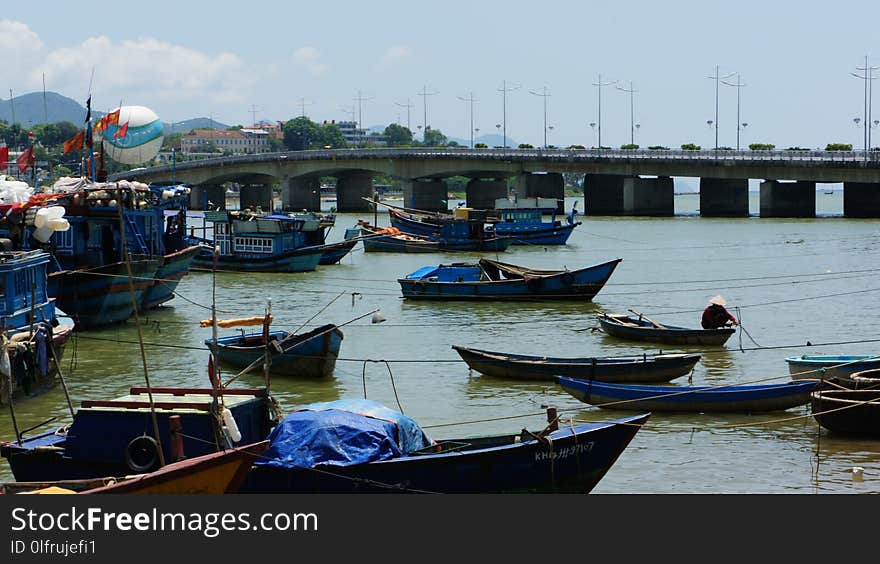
(142, 454)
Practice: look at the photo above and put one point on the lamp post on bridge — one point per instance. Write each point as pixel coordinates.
(868, 77)
(470, 99)
(738, 85)
(544, 96)
(504, 90)
(717, 78)
(600, 84)
(632, 127)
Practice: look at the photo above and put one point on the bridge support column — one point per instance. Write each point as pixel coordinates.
(429, 194)
(256, 196)
(603, 194)
(200, 196)
(861, 199)
(481, 193)
(648, 196)
(301, 193)
(724, 197)
(351, 189)
(549, 185)
(788, 199)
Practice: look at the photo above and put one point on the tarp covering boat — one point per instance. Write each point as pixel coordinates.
(342, 433)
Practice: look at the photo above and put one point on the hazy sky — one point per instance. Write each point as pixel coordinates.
(237, 61)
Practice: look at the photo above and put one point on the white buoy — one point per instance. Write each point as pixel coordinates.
(858, 473)
(377, 318)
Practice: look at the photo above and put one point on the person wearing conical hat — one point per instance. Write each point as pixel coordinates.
(715, 316)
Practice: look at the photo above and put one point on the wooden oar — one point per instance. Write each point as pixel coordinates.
(646, 318)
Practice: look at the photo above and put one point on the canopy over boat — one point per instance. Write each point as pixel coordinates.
(342, 433)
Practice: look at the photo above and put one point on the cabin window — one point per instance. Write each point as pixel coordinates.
(221, 228)
(253, 245)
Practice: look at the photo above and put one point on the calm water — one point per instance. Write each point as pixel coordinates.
(793, 280)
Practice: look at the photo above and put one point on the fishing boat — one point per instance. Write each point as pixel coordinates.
(734, 399)
(641, 329)
(348, 446)
(332, 253)
(391, 240)
(215, 473)
(115, 437)
(107, 221)
(251, 242)
(34, 337)
(309, 355)
(620, 369)
(828, 366)
(852, 412)
(461, 235)
(493, 280)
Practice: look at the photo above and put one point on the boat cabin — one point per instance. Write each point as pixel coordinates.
(23, 295)
(246, 234)
(526, 210)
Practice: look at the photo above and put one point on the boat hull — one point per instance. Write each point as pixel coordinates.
(310, 355)
(669, 335)
(647, 368)
(42, 383)
(295, 261)
(850, 412)
(100, 296)
(731, 399)
(818, 367)
(579, 457)
(581, 284)
(174, 266)
(543, 234)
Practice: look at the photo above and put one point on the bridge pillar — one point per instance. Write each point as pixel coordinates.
(351, 188)
(788, 199)
(430, 194)
(301, 193)
(724, 197)
(603, 194)
(648, 196)
(549, 185)
(200, 195)
(256, 195)
(482, 193)
(861, 199)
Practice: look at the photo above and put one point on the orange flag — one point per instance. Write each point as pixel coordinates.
(122, 131)
(112, 118)
(101, 125)
(26, 159)
(75, 143)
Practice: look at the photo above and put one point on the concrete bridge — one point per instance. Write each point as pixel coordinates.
(616, 182)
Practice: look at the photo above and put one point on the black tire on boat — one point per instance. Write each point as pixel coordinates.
(142, 454)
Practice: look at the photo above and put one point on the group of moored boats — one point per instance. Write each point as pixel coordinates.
(222, 439)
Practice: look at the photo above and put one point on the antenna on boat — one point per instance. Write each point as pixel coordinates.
(137, 321)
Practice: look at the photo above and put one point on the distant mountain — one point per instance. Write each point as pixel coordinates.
(30, 110)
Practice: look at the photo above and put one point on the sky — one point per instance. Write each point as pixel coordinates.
(257, 60)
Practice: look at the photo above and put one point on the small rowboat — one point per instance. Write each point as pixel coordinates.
(641, 329)
(854, 412)
(742, 399)
(494, 280)
(311, 354)
(644, 368)
(827, 366)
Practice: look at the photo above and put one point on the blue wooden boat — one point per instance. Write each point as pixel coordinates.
(642, 329)
(620, 369)
(90, 276)
(493, 280)
(29, 320)
(332, 253)
(250, 242)
(457, 234)
(309, 355)
(523, 220)
(827, 366)
(391, 240)
(375, 449)
(741, 399)
(114, 437)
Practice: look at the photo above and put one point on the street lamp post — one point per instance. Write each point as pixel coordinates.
(470, 99)
(632, 129)
(424, 94)
(408, 105)
(600, 84)
(550, 127)
(544, 96)
(359, 131)
(868, 77)
(717, 78)
(738, 85)
(504, 90)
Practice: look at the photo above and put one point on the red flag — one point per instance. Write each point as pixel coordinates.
(26, 159)
(101, 125)
(112, 118)
(4, 157)
(122, 131)
(75, 143)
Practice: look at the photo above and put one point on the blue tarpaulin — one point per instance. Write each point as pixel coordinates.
(342, 433)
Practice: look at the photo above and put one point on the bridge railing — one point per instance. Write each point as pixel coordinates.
(704, 156)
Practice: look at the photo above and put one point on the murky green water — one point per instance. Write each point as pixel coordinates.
(793, 280)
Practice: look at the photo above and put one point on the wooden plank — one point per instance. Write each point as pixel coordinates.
(256, 392)
(146, 405)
